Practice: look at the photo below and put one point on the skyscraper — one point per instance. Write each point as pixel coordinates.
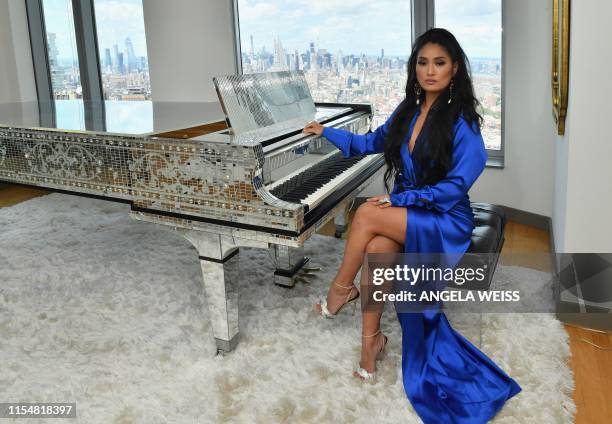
(52, 46)
(108, 64)
(57, 72)
(279, 55)
(296, 59)
(132, 61)
(120, 64)
(339, 61)
(116, 68)
(312, 57)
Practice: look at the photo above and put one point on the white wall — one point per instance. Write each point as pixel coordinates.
(526, 182)
(8, 71)
(188, 42)
(583, 197)
(17, 86)
(16, 69)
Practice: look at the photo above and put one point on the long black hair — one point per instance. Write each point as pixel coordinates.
(435, 155)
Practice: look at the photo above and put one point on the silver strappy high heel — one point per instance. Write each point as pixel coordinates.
(364, 374)
(323, 302)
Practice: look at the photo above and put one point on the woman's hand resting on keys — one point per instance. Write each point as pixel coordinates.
(381, 201)
(313, 127)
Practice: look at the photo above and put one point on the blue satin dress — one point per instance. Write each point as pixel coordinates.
(446, 378)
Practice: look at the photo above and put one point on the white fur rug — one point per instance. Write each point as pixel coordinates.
(110, 313)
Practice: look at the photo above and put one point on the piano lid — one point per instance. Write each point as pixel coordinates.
(262, 105)
(255, 101)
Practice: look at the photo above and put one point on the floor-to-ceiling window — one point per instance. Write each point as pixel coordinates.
(123, 49)
(124, 65)
(121, 69)
(350, 51)
(477, 25)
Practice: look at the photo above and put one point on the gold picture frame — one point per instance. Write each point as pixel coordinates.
(560, 62)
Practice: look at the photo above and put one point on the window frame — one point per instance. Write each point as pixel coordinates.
(423, 18)
(496, 158)
(89, 64)
(86, 38)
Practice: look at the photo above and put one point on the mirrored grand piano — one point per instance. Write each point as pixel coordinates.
(251, 178)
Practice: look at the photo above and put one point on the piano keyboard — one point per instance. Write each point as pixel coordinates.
(314, 184)
(302, 169)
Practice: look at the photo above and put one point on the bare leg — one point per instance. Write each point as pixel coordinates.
(369, 221)
(371, 346)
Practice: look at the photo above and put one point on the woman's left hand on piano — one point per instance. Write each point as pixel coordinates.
(381, 201)
(313, 127)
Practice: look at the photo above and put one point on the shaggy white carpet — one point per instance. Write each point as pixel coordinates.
(110, 313)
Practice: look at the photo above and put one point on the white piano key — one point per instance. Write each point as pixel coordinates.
(324, 191)
(303, 169)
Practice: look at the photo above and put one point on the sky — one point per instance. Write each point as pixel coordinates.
(353, 26)
(365, 26)
(115, 21)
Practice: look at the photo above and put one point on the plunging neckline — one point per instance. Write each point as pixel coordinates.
(412, 125)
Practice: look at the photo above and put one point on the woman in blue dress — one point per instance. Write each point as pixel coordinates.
(434, 152)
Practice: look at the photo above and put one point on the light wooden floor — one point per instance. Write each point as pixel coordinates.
(591, 359)
(12, 195)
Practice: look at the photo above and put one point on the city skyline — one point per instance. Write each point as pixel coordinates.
(345, 61)
(378, 80)
(369, 69)
(116, 20)
(272, 57)
(271, 50)
(476, 24)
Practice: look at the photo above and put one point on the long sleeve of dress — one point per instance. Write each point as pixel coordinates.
(469, 159)
(358, 144)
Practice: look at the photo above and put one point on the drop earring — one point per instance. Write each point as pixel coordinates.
(450, 94)
(417, 92)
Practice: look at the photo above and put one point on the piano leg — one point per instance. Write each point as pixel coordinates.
(220, 280)
(288, 261)
(219, 261)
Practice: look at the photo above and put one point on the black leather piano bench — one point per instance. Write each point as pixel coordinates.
(487, 243)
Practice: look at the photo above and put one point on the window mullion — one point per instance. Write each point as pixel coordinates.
(89, 64)
(423, 17)
(237, 46)
(40, 59)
